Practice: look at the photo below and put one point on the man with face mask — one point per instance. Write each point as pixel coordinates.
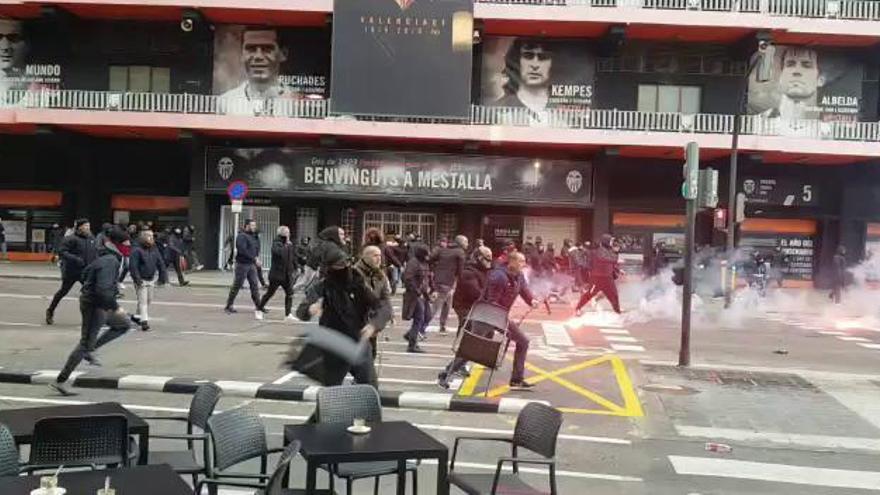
(603, 272)
(468, 290)
(145, 264)
(283, 272)
(76, 251)
(247, 245)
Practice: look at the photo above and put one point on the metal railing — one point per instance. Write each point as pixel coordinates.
(595, 119)
(861, 10)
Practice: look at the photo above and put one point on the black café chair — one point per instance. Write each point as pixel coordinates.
(237, 435)
(200, 409)
(537, 428)
(341, 405)
(79, 441)
(10, 464)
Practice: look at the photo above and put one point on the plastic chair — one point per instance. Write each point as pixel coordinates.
(537, 428)
(200, 409)
(71, 441)
(9, 457)
(483, 337)
(341, 405)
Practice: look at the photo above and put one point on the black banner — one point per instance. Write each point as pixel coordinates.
(498, 230)
(408, 58)
(411, 176)
(779, 191)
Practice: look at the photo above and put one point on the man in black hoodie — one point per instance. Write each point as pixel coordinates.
(174, 253)
(447, 263)
(247, 247)
(283, 272)
(329, 240)
(76, 251)
(97, 305)
(146, 263)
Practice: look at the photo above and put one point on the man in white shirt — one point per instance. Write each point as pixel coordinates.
(261, 58)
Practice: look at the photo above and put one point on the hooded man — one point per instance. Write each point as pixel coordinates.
(76, 252)
(604, 271)
(446, 264)
(838, 274)
(469, 289)
(97, 305)
(417, 298)
(174, 253)
(147, 268)
(283, 272)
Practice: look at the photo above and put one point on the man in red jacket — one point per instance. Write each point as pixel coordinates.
(604, 271)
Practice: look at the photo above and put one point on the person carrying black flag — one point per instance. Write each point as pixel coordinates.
(76, 251)
(283, 273)
(97, 305)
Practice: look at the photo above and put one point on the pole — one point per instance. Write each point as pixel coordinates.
(234, 235)
(731, 187)
(684, 356)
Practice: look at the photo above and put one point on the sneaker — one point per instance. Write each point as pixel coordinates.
(521, 385)
(184, 283)
(121, 286)
(258, 315)
(265, 310)
(50, 318)
(414, 349)
(229, 310)
(290, 318)
(423, 337)
(464, 373)
(92, 360)
(145, 327)
(443, 381)
(199, 268)
(62, 388)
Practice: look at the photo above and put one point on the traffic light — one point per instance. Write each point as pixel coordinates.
(708, 195)
(690, 188)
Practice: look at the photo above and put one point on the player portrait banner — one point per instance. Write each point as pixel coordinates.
(808, 84)
(403, 58)
(411, 176)
(536, 73)
(27, 58)
(256, 67)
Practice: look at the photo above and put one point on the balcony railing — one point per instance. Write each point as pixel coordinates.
(860, 10)
(610, 120)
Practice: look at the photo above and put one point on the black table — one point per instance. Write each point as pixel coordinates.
(388, 441)
(138, 480)
(21, 421)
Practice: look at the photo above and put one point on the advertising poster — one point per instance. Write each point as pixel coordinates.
(808, 84)
(22, 65)
(405, 58)
(257, 65)
(780, 191)
(538, 74)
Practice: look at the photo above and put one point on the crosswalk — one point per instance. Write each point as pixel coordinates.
(858, 331)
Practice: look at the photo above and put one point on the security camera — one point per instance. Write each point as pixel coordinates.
(186, 25)
(763, 44)
(190, 19)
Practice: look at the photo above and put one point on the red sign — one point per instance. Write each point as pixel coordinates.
(237, 190)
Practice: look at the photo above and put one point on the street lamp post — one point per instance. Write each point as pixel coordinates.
(762, 60)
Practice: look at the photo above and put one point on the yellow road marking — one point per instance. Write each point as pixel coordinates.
(630, 400)
(468, 386)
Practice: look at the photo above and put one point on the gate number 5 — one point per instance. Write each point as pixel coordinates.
(808, 193)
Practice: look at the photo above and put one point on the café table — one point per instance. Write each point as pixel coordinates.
(323, 444)
(138, 480)
(21, 421)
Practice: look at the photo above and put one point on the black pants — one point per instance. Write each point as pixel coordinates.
(836, 291)
(66, 284)
(457, 363)
(175, 262)
(93, 318)
(288, 294)
(606, 286)
(260, 276)
(245, 271)
(125, 269)
(363, 373)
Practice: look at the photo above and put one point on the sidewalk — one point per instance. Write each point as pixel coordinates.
(46, 271)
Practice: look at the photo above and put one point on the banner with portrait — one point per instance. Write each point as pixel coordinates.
(808, 84)
(536, 73)
(255, 66)
(25, 62)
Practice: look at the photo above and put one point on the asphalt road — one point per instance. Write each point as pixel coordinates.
(804, 422)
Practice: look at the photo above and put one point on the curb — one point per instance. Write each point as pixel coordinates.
(269, 391)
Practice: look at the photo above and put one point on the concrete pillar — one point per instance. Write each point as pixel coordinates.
(198, 213)
(601, 223)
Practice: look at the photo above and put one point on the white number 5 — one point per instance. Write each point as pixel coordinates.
(808, 194)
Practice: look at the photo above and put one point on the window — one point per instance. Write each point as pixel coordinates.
(669, 98)
(140, 79)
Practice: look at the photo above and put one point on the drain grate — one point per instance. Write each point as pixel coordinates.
(739, 379)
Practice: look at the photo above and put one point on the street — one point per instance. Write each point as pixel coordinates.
(804, 420)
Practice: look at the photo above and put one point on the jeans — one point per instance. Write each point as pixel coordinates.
(457, 363)
(419, 321)
(242, 271)
(393, 273)
(93, 318)
(288, 295)
(144, 298)
(443, 302)
(66, 285)
(522, 349)
(177, 269)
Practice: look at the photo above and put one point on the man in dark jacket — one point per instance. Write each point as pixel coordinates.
(603, 273)
(147, 269)
(97, 305)
(247, 247)
(838, 274)
(174, 252)
(469, 289)
(392, 263)
(283, 272)
(329, 240)
(447, 263)
(417, 298)
(369, 267)
(76, 251)
(503, 286)
(349, 307)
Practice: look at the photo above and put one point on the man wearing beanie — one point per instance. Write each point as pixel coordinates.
(97, 305)
(76, 252)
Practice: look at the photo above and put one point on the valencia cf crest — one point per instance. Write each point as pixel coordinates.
(574, 181)
(225, 167)
(405, 4)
